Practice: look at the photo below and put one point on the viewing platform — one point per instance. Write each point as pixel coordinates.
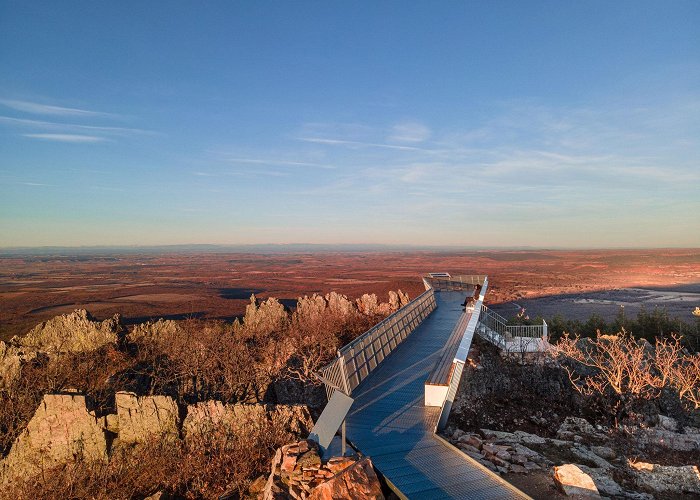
(391, 389)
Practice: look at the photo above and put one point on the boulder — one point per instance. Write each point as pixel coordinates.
(142, 418)
(572, 426)
(587, 455)
(358, 481)
(74, 332)
(661, 438)
(61, 431)
(499, 435)
(666, 479)
(571, 480)
(527, 438)
(606, 485)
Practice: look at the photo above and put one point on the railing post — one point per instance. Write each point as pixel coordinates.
(344, 376)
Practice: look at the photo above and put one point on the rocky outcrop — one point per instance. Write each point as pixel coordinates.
(62, 430)
(239, 419)
(74, 332)
(667, 479)
(162, 328)
(340, 305)
(298, 472)
(572, 481)
(11, 359)
(689, 440)
(147, 417)
(500, 452)
(266, 316)
(368, 304)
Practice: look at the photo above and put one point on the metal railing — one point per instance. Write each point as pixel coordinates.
(495, 328)
(454, 282)
(357, 359)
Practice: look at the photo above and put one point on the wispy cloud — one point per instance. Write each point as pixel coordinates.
(358, 144)
(34, 184)
(48, 109)
(277, 162)
(409, 132)
(74, 138)
(70, 127)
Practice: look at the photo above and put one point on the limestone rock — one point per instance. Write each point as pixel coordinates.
(587, 455)
(240, 419)
(403, 298)
(62, 430)
(368, 304)
(74, 332)
(576, 426)
(394, 303)
(358, 481)
(268, 316)
(141, 418)
(340, 305)
(571, 480)
(527, 438)
(667, 479)
(310, 308)
(605, 484)
(153, 330)
(11, 359)
(658, 437)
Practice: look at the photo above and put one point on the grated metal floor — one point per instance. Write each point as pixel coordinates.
(389, 423)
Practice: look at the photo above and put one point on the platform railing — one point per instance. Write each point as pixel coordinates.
(356, 360)
(454, 282)
(493, 325)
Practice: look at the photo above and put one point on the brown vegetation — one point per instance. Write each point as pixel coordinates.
(620, 370)
(191, 361)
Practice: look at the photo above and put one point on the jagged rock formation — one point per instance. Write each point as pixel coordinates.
(237, 419)
(153, 330)
(298, 472)
(143, 418)
(74, 332)
(62, 430)
(369, 305)
(267, 316)
(11, 359)
(340, 305)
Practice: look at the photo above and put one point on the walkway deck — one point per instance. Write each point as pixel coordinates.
(389, 423)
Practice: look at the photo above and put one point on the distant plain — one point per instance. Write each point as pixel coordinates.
(176, 285)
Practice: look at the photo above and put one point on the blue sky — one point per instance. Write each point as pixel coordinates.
(547, 124)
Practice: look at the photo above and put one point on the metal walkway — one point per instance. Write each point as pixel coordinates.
(389, 423)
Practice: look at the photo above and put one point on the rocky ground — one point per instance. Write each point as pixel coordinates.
(523, 421)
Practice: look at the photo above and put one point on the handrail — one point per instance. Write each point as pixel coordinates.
(358, 358)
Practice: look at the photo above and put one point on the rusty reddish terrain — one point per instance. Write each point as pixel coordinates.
(218, 285)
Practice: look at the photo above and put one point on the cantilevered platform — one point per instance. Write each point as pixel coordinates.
(389, 422)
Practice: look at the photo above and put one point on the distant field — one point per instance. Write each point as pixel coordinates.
(218, 285)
